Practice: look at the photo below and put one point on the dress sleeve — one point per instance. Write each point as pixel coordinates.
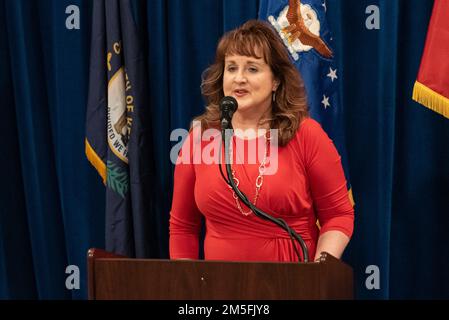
(327, 179)
(185, 218)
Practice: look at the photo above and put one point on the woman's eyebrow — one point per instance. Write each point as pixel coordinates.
(247, 62)
(254, 62)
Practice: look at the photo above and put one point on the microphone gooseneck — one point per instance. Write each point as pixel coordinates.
(228, 105)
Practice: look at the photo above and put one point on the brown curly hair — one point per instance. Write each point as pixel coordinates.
(290, 105)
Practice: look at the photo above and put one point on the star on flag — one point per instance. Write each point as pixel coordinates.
(332, 74)
(325, 102)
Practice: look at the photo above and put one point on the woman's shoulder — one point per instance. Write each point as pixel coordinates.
(310, 129)
(309, 124)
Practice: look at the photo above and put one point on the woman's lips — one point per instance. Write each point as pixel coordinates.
(240, 92)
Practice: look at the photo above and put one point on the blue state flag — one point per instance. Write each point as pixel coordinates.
(303, 27)
(117, 127)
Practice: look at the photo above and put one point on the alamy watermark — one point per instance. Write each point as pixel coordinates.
(206, 147)
(373, 279)
(72, 282)
(72, 21)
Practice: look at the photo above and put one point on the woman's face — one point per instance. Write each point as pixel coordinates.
(250, 81)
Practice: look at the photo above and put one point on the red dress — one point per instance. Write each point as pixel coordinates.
(309, 184)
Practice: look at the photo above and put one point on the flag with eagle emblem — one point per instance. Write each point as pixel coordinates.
(303, 27)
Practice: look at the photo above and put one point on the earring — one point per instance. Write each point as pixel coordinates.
(273, 96)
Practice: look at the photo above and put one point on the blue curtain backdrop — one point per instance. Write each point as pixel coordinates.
(52, 200)
(398, 151)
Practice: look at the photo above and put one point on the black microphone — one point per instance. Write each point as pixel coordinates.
(228, 105)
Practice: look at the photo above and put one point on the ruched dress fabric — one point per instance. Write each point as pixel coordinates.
(308, 185)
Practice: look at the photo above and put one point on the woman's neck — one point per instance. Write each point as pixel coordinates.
(247, 121)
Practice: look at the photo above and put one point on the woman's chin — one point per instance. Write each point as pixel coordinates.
(243, 103)
(242, 107)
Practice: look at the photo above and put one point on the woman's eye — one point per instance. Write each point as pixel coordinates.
(231, 68)
(252, 69)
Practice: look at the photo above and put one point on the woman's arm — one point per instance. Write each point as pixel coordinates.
(328, 190)
(185, 218)
(333, 242)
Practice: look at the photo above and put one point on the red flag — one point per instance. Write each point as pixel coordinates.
(432, 85)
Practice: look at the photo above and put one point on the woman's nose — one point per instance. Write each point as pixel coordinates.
(240, 77)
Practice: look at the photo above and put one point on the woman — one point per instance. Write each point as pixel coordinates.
(253, 66)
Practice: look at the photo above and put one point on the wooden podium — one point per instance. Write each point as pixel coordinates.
(120, 278)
